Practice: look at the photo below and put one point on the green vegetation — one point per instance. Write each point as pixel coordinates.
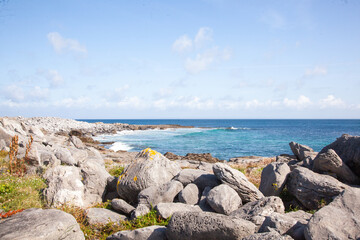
(116, 171)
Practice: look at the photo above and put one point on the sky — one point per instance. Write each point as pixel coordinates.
(269, 59)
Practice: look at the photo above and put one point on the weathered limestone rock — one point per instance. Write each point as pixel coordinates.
(189, 195)
(201, 178)
(257, 211)
(65, 157)
(273, 178)
(149, 169)
(121, 206)
(166, 192)
(299, 150)
(103, 216)
(207, 226)
(166, 210)
(313, 189)
(223, 199)
(329, 161)
(139, 211)
(77, 142)
(146, 233)
(36, 223)
(273, 235)
(203, 204)
(237, 180)
(338, 220)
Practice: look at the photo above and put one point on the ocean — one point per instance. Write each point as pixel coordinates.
(228, 138)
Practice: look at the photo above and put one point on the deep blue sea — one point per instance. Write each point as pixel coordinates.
(225, 138)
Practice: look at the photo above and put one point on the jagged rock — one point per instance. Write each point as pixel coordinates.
(65, 157)
(223, 199)
(299, 150)
(207, 226)
(237, 180)
(47, 158)
(273, 178)
(201, 178)
(121, 206)
(147, 233)
(329, 161)
(338, 220)
(202, 157)
(6, 136)
(348, 149)
(36, 131)
(139, 211)
(103, 216)
(193, 164)
(149, 169)
(153, 195)
(166, 210)
(3, 146)
(285, 158)
(77, 142)
(313, 189)
(172, 156)
(189, 195)
(36, 223)
(273, 235)
(257, 211)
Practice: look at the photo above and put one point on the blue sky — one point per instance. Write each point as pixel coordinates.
(180, 59)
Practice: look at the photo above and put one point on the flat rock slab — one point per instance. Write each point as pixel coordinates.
(166, 210)
(103, 216)
(146, 233)
(36, 223)
(207, 226)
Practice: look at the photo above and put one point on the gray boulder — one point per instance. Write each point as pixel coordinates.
(237, 180)
(207, 226)
(329, 161)
(201, 178)
(150, 168)
(299, 150)
(203, 204)
(338, 220)
(273, 235)
(140, 210)
(273, 178)
(77, 142)
(257, 211)
(166, 192)
(348, 149)
(189, 195)
(312, 189)
(223, 199)
(166, 210)
(121, 206)
(103, 216)
(65, 157)
(36, 223)
(6, 136)
(147, 233)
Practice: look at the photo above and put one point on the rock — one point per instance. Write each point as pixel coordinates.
(300, 150)
(153, 195)
(285, 158)
(223, 199)
(348, 149)
(203, 204)
(329, 161)
(202, 157)
(36, 131)
(147, 233)
(3, 146)
(77, 142)
(257, 211)
(139, 211)
(36, 223)
(166, 210)
(121, 206)
(189, 195)
(273, 178)
(313, 189)
(65, 157)
(193, 164)
(33, 157)
(149, 169)
(6, 136)
(273, 235)
(103, 216)
(207, 226)
(300, 216)
(237, 180)
(172, 156)
(201, 178)
(48, 159)
(338, 220)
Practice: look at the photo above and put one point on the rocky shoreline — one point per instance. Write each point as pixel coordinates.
(205, 198)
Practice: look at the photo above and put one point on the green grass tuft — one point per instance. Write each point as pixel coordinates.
(116, 171)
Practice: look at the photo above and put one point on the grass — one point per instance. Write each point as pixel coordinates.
(116, 171)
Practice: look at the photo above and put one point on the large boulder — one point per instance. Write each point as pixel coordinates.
(273, 178)
(207, 226)
(338, 220)
(257, 211)
(189, 195)
(147, 233)
(300, 151)
(348, 149)
(140, 210)
(329, 161)
(166, 192)
(36, 223)
(273, 235)
(223, 199)
(121, 206)
(150, 168)
(237, 180)
(201, 178)
(313, 190)
(65, 156)
(166, 210)
(103, 216)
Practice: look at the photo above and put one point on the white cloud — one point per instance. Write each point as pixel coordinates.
(299, 103)
(182, 44)
(14, 93)
(316, 71)
(203, 35)
(332, 101)
(73, 102)
(133, 102)
(39, 93)
(60, 43)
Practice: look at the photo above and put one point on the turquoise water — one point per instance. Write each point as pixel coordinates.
(230, 138)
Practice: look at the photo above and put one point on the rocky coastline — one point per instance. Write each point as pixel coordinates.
(307, 195)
